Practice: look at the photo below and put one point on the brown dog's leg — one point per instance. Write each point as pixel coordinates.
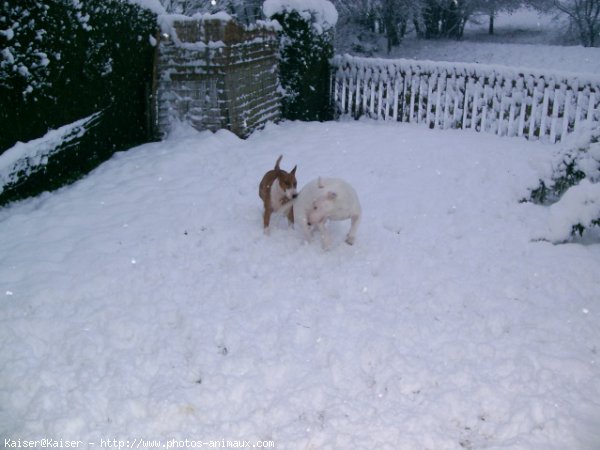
(266, 219)
(290, 216)
(267, 215)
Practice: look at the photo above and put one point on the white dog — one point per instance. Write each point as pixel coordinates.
(327, 198)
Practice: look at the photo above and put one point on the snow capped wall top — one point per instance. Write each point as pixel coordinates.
(169, 29)
(321, 12)
(166, 21)
(181, 29)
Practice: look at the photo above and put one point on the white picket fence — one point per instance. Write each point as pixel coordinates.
(496, 99)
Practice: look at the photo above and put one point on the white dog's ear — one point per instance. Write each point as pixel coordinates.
(331, 195)
(321, 184)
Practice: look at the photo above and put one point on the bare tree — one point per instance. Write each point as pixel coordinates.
(446, 18)
(388, 17)
(492, 7)
(585, 17)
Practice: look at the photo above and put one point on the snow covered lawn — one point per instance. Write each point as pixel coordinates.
(144, 302)
(525, 40)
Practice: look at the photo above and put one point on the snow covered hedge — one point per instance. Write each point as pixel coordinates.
(573, 190)
(22, 167)
(65, 60)
(305, 50)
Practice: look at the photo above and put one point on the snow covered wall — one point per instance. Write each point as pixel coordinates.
(213, 73)
(497, 99)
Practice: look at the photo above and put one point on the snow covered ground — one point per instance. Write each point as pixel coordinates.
(144, 301)
(532, 56)
(522, 39)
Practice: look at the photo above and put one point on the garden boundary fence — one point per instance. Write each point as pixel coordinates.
(497, 99)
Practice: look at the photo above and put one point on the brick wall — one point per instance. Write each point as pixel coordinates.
(216, 74)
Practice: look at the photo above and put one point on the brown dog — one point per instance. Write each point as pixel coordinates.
(277, 190)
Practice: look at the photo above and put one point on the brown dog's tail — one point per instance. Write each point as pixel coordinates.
(277, 162)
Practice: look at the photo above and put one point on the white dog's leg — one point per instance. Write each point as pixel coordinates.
(325, 238)
(306, 230)
(355, 221)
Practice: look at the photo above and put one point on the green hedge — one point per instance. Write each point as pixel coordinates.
(304, 69)
(64, 60)
(579, 159)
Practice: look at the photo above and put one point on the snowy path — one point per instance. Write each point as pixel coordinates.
(145, 301)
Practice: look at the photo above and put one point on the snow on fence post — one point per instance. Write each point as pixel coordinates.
(438, 82)
(501, 100)
(357, 97)
(343, 95)
(567, 112)
(450, 94)
(430, 83)
(465, 104)
(594, 107)
(556, 102)
(522, 107)
(380, 96)
(545, 111)
(413, 93)
(480, 114)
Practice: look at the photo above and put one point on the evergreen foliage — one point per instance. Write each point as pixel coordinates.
(63, 60)
(579, 161)
(304, 70)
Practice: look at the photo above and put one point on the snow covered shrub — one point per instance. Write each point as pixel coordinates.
(24, 168)
(577, 210)
(306, 46)
(33, 37)
(64, 60)
(573, 190)
(578, 159)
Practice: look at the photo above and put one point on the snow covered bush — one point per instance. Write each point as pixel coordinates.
(34, 50)
(578, 158)
(573, 190)
(23, 168)
(306, 46)
(577, 210)
(65, 60)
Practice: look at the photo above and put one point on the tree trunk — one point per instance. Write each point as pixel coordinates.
(491, 27)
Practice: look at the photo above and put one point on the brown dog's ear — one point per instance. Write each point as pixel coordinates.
(293, 172)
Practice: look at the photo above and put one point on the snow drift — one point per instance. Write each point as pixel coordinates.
(145, 302)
